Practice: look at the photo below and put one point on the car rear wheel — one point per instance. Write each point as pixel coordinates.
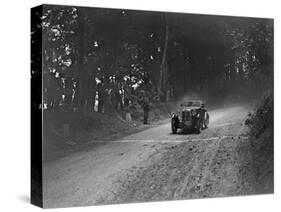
(207, 120)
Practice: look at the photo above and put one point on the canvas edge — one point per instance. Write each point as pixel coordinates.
(36, 190)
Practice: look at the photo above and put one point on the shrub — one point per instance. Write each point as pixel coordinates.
(262, 117)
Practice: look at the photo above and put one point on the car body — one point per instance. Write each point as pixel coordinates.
(192, 116)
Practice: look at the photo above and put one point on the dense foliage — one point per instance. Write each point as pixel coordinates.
(262, 118)
(107, 60)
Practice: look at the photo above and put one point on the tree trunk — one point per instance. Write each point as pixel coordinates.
(82, 72)
(163, 64)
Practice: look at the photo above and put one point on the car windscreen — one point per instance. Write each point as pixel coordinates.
(192, 103)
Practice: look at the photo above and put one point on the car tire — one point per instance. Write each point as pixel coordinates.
(207, 120)
(199, 129)
(173, 125)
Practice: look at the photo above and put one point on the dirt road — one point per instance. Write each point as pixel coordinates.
(155, 165)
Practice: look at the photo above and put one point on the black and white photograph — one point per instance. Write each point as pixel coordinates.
(131, 106)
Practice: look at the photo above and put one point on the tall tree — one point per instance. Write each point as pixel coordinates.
(163, 65)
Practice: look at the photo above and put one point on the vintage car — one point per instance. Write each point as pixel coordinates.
(191, 116)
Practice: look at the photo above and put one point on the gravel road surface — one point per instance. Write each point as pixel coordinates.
(154, 165)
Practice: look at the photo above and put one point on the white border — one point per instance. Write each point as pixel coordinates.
(15, 98)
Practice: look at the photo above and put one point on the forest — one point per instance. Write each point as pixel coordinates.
(107, 60)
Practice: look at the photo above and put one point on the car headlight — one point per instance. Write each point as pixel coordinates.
(193, 112)
(179, 118)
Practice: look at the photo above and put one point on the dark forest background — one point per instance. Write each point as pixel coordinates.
(117, 58)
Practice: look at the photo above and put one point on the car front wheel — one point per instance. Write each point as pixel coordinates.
(174, 127)
(198, 128)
